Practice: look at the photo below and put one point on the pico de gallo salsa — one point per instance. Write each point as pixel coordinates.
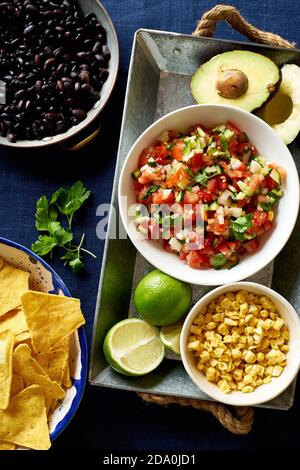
(220, 169)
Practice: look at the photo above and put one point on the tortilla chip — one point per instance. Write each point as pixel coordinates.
(15, 321)
(13, 284)
(17, 384)
(32, 373)
(51, 318)
(6, 354)
(67, 381)
(24, 422)
(54, 363)
(22, 337)
(7, 445)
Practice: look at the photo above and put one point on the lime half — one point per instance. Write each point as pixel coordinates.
(170, 336)
(132, 347)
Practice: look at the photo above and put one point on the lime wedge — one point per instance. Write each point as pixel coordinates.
(170, 336)
(132, 347)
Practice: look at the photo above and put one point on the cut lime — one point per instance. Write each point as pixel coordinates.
(170, 337)
(132, 347)
(162, 300)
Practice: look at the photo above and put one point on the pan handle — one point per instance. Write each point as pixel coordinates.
(83, 139)
(207, 24)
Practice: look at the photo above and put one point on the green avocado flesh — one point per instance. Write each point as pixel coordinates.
(239, 78)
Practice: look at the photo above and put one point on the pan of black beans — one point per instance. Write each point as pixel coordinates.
(58, 65)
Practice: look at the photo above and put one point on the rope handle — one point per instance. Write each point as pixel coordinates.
(207, 24)
(238, 422)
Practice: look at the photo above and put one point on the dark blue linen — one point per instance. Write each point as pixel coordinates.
(110, 419)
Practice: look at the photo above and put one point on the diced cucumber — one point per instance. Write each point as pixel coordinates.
(179, 197)
(276, 193)
(244, 188)
(213, 206)
(227, 134)
(275, 175)
(255, 167)
(136, 174)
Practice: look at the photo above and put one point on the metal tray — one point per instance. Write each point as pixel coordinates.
(160, 71)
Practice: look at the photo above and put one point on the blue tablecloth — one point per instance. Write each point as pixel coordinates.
(110, 419)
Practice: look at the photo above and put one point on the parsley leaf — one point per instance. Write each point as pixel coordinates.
(45, 214)
(240, 226)
(64, 202)
(43, 245)
(69, 200)
(201, 178)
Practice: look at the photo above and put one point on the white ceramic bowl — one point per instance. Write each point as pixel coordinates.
(264, 392)
(44, 279)
(270, 147)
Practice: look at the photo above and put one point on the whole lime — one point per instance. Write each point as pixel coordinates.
(162, 300)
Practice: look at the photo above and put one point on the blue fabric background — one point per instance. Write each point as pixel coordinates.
(110, 419)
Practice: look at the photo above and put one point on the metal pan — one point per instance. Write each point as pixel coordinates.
(87, 6)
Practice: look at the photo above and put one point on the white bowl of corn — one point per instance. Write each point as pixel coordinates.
(240, 344)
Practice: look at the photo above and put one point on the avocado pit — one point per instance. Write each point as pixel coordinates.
(232, 83)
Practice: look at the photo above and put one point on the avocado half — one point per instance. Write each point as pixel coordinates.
(282, 112)
(239, 78)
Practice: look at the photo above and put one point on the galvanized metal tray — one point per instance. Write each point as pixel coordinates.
(160, 71)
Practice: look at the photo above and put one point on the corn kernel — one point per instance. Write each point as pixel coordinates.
(278, 324)
(204, 356)
(230, 322)
(267, 380)
(236, 354)
(244, 308)
(216, 317)
(222, 366)
(224, 386)
(249, 356)
(247, 389)
(192, 345)
(211, 325)
(277, 370)
(210, 374)
(223, 329)
(238, 374)
(241, 296)
(197, 330)
(235, 305)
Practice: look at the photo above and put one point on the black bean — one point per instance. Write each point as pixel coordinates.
(29, 30)
(53, 62)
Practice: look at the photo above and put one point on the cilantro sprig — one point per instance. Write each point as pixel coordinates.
(240, 226)
(64, 202)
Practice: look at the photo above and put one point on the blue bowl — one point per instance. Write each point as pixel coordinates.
(44, 279)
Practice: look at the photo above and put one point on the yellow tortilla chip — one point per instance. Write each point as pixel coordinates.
(23, 337)
(17, 384)
(67, 381)
(6, 354)
(51, 318)
(7, 445)
(13, 284)
(14, 321)
(24, 422)
(32, 373)
(54, 363)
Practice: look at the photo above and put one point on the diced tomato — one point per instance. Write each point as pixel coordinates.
(179, 177)
(226, 248)
(233, 145)
(269, 183)
(160, 154)
(242, 147)
(196, 260)
(252, 245)
(167, 246)
(160, 198)
(205, 196)
(254, 183)
(196, 162)
(268, 225)
(190, 198)
(213, 185)
(222, 182)
(143, 158)
(233, 127)
(137, 186)
(259, 218)
(177, 150)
